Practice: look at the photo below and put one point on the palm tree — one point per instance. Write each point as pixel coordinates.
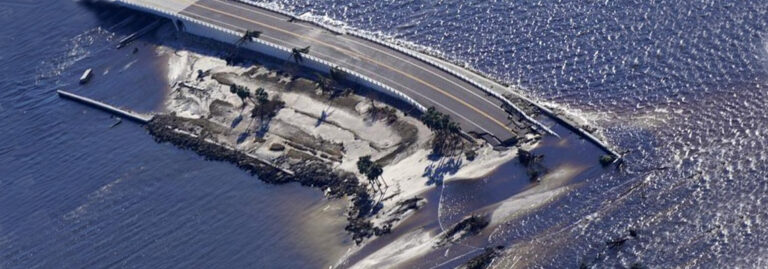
(241, 91)
(296, 54)
(326, 84)
(262, 97)
(439, 122)
(337, 73)
(364, 164)
(375, 174)
(371, 170)
(248, 36)
(446, 131)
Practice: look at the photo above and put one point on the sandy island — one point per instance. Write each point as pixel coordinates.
(318, 134)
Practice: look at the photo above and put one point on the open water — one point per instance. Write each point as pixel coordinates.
(681, 86)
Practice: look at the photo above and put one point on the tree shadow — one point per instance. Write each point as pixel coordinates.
(437, 171)
(236, 121)
(168, 36)
(434, 157)
(242, 137)
(375, 208)
(263, 128)
(323, 117)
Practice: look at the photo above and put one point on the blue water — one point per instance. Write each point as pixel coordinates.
(681, 86)
(76, 193)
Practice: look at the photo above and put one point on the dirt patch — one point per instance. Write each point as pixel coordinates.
(409, 135)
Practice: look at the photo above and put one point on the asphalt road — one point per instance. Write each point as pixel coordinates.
(474, 110)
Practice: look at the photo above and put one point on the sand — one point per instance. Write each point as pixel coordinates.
(345, 133)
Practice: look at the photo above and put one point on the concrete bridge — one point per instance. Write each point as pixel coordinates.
(394, 71)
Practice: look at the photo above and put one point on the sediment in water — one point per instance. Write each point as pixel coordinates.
(484, 259)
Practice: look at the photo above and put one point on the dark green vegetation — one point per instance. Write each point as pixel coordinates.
(409, 204)
(266, 108)
(192, 133)
(241, 91)
(371, 170)
(472, 225)
(607, 159)
(448, 140)
(532, 163)
(439, 122)
(338, 74)
(248, 36)
(333, 86)
(470, 154)
(296, 53)
(335, 82)
(262, 97)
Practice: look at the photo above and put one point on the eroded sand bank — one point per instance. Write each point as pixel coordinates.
(318, 127)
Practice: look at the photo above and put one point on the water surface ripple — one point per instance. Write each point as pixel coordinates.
(680, 85)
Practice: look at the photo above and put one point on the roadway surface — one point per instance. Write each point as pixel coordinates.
(474, 110)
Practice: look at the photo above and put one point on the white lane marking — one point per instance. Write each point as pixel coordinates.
(259, 11)
(371, 72)
(361, 56)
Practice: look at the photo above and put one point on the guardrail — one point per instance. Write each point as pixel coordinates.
(331, 29)
(547, 111)
(381, 86)
(440, 66)
(416, 55)
(308, 59)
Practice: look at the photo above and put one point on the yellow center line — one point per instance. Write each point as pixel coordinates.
(362, 57)
(268, 14)
(373, 74)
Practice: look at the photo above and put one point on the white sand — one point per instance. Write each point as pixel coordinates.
(405, 175)
(409, 246)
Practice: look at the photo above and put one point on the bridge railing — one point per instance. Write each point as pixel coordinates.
(278, 51)
(371, 82)
(417, 56)
(454, 73)
(495, 94)
(335, 30)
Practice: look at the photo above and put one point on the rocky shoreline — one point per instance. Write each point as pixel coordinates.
(286, 126)
(336, 184)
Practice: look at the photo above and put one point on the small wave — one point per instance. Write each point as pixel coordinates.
(94, 197)
(79, 48)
